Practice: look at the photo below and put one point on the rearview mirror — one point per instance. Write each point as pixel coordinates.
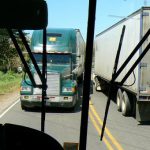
(23, 14)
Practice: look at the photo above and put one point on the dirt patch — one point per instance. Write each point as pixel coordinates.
(7, 99)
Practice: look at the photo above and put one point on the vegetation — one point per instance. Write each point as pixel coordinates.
(9, 82)
(9, 62)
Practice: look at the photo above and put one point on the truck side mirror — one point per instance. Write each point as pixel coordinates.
(23, 14)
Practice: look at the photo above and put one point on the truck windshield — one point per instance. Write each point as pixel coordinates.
(54, 58)
(55, 39)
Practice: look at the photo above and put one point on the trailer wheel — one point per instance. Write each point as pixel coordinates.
(119, 100)
(126, 105)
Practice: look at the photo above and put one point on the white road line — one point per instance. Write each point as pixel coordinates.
(9, 108)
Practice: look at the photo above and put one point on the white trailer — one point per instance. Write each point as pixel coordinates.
(133, 99)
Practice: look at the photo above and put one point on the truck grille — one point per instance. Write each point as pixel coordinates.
(53, 83)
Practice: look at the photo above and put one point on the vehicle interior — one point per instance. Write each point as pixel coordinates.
(33, 15)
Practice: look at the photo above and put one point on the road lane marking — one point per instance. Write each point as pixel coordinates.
(9, 108)
(99, 132)
(114, 141)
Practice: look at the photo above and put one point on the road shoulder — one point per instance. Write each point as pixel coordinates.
(7, 99)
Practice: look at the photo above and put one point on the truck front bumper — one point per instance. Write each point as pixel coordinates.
(31, 101)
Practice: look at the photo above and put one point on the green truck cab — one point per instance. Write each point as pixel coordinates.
(65, 67)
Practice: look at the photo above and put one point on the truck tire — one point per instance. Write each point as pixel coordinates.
(23, 107)
(126, 105)
(119, 100)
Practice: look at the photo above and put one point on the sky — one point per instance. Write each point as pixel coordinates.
(74, 13)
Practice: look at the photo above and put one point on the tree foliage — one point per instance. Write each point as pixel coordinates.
(9, 59)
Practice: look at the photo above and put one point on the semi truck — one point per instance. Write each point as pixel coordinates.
(65, 50)
(133, 97)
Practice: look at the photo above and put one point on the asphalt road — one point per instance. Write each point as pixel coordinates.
(122, 133)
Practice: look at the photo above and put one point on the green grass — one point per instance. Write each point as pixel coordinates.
(9, 82)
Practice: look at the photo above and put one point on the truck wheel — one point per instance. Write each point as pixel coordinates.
(24, 107)
(126, 105)
(119, 100)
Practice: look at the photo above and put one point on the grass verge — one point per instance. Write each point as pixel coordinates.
(9, 82)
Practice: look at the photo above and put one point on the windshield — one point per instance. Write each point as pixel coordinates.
(55, 39)
(54, 58)
(129, 103)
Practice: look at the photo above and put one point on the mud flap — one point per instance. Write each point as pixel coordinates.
(143, 111)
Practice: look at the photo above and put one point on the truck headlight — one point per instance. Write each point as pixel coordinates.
(26, 89)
